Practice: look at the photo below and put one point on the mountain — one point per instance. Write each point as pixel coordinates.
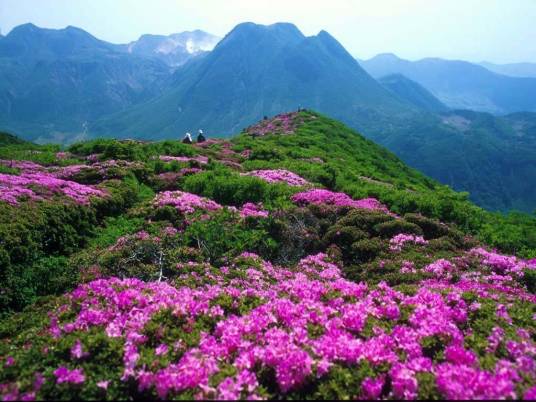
(263, 70)
(254, 71)
(412, 92)
(512, 69)
(98, 89)
(53, 82)
(9, 139)
(175, 49)
(461, 85)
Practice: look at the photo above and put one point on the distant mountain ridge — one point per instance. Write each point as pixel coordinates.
(460, 84)
(512, 69)
(412, 92)
(53, 82)
(254, 71)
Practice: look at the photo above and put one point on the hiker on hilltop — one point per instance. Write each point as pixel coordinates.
(200, 137)
(187, 139)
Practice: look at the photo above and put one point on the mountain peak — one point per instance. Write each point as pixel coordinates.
(282, 30)
(33, 42)
(387, 57)
(174, 49)
(23, 29)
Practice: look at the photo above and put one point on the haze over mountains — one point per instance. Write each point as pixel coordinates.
(512, 69)
(66, 85)
(460, 84)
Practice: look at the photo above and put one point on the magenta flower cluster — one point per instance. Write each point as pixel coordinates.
(184, 159)
(64, 375)
(279, 176)
(320, 196)
(63, 155)
(40, 185)
(25, 166)
(503, 264)
(123, 241)
(102, 168)
(250, 209)
(285, 123)
(184, 202)
(397, 242)
(276, 335)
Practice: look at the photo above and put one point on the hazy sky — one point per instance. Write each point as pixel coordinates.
(495, 30)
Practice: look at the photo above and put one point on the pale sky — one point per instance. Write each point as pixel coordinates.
(501, 31)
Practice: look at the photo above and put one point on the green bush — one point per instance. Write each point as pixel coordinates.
(228, 188)
(223, 236)
(367, 249)
(394, 227)
(297, 232)
(442, 243)
(343, 236)
(364, 219)
(529, 279)
(431, 228)
(32, 239)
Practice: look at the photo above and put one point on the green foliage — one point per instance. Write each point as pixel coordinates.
(228, 188)
(392, 228)
(367, 249)
(207, 236)
(297, 232)
(529, 279)
(343, 236)
(32, 239)
(51, 240)
(341, 383)
(431, 228)
(36, 237)
(114, 227)
(129, 149)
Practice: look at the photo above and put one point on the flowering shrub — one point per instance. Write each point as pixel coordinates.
(186, 203)
(63, 155)
(253, 330)
(285, 123)
(36, 186)
(26, 166)
(499, 263)
(253, 210)
(397, 243)
(175, 296)
(319, 196)
(279, 176)
(103, 170)
(184, 159)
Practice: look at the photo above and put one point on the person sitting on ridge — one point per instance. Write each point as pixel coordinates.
(200, 137)
(187, 139)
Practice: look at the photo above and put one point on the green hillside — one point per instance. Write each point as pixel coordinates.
(297, 260)
(321, 150)
(9, 139)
